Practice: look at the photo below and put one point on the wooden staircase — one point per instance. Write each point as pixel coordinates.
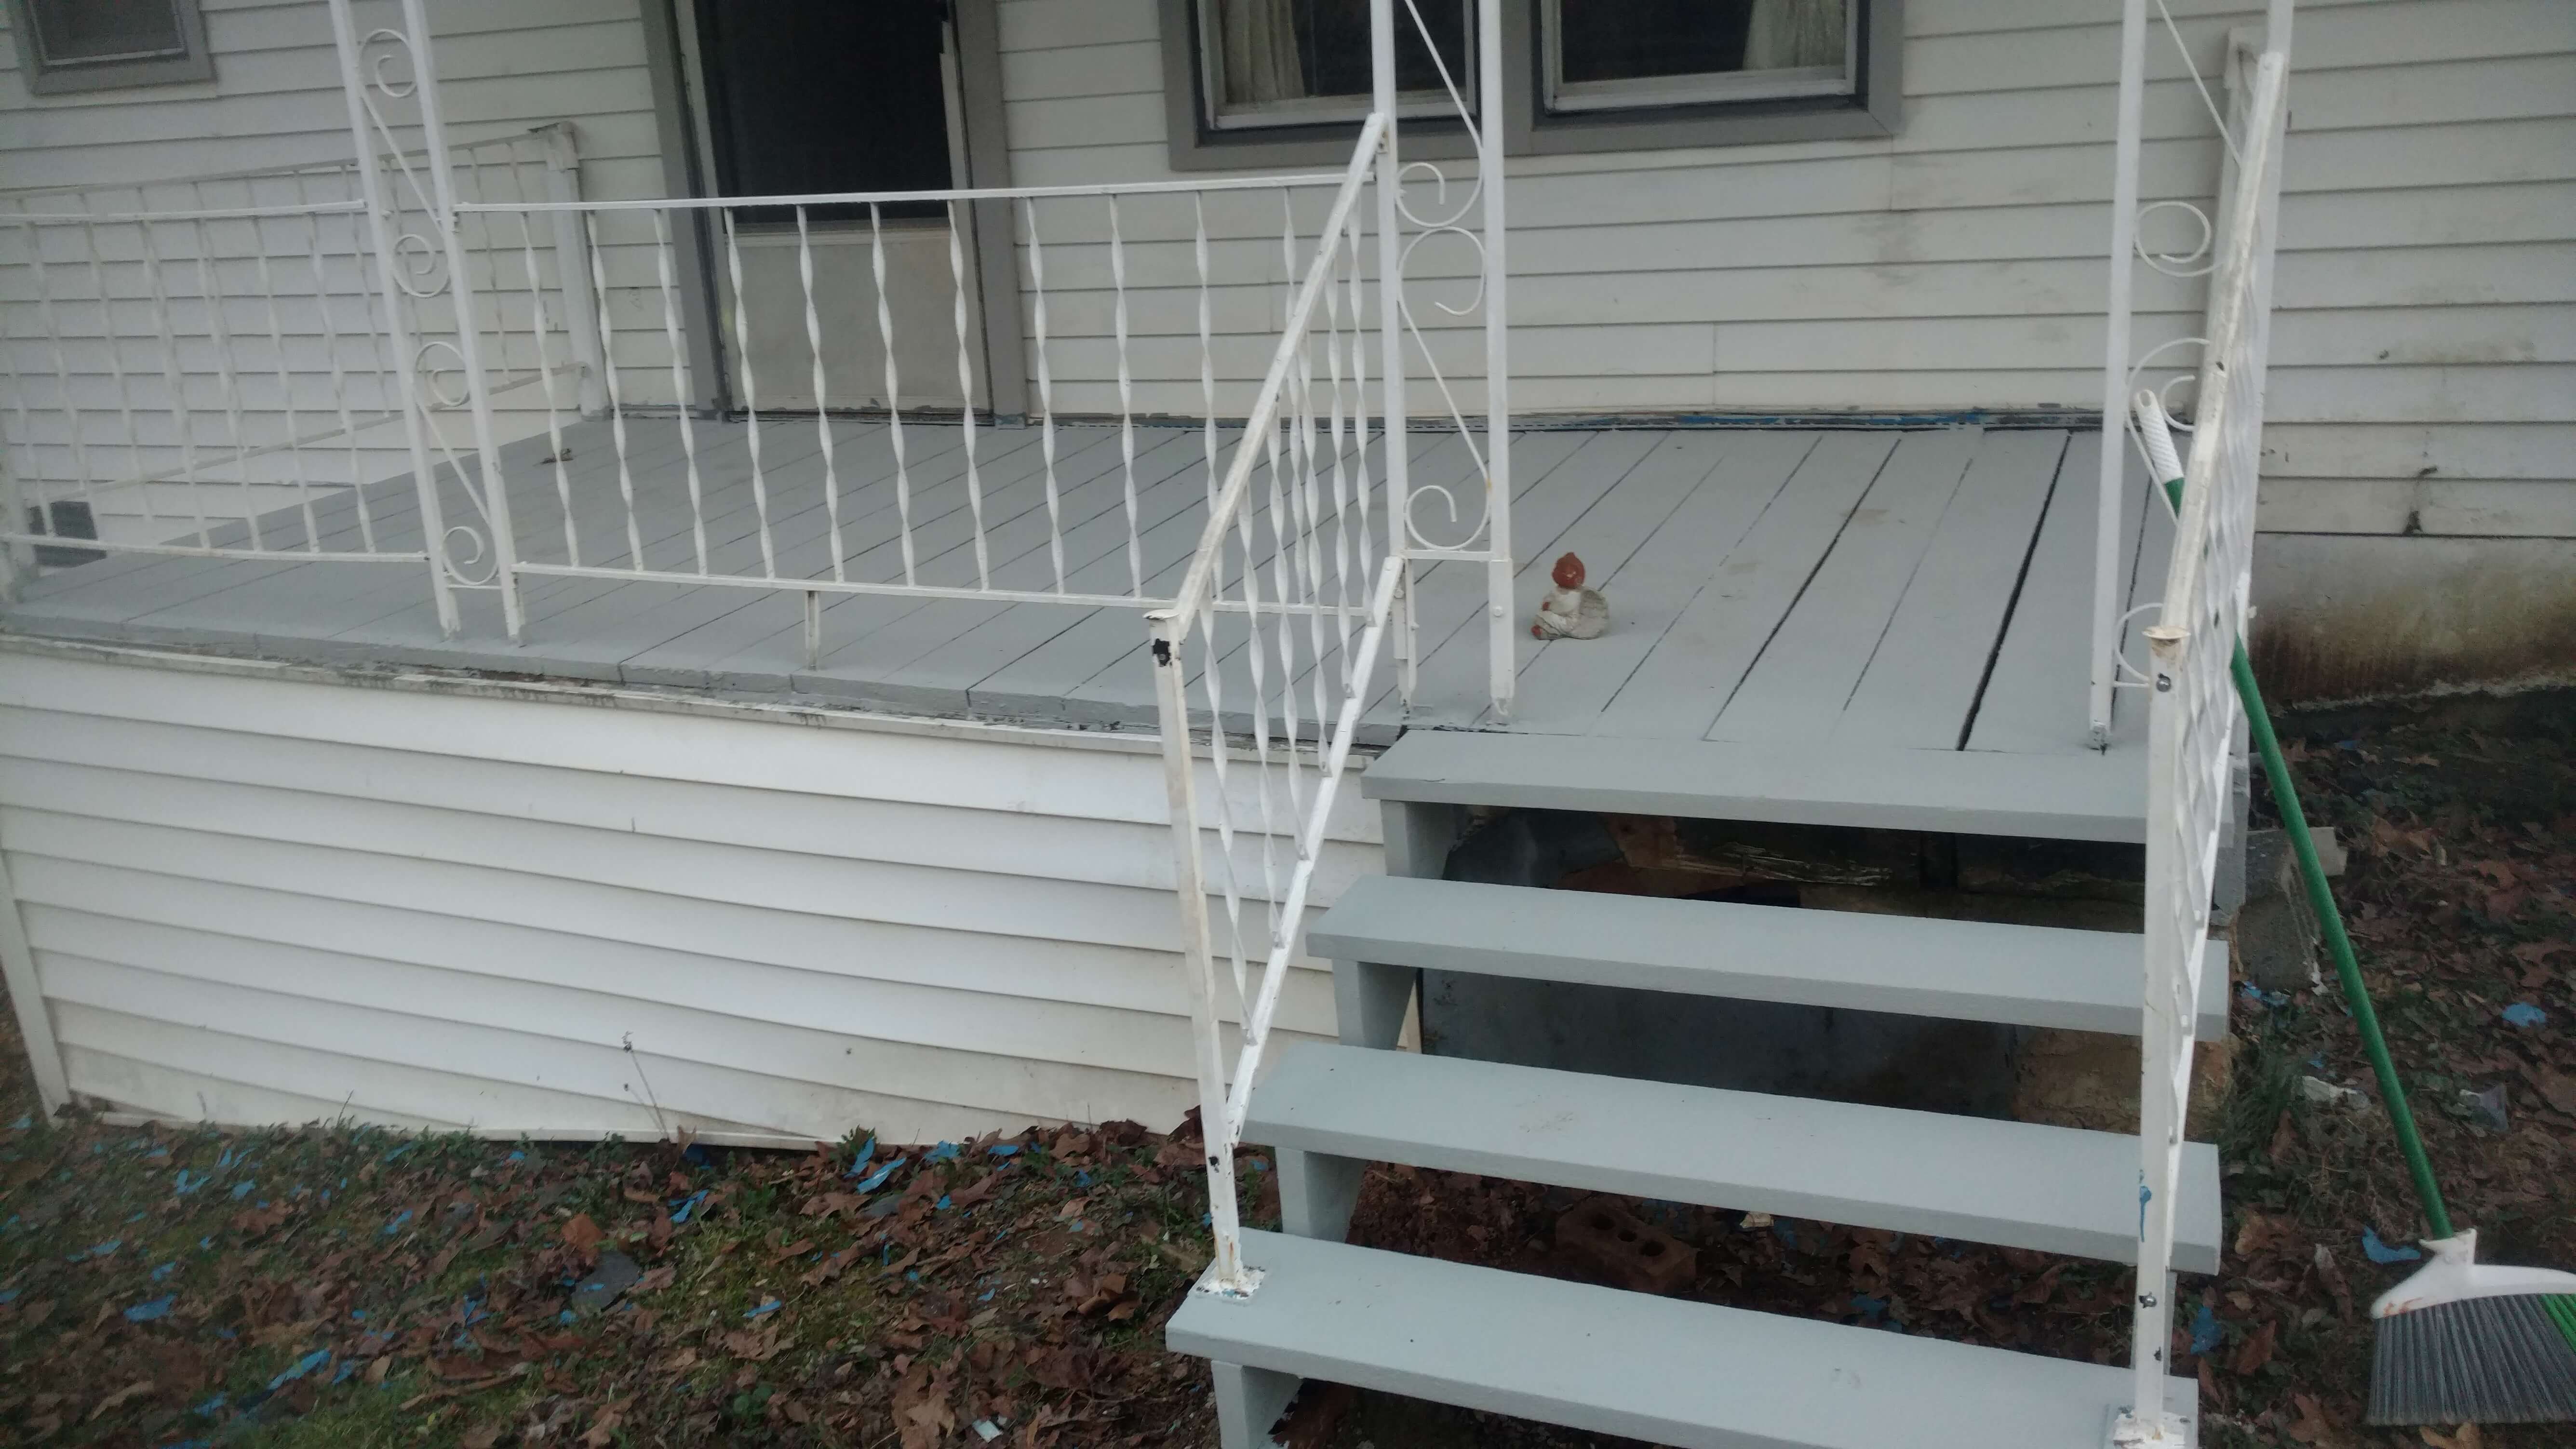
(1657, 1369)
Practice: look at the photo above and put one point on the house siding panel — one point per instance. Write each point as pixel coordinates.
(257, 890)
(2428, 246)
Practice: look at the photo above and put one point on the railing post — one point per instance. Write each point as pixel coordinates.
(381, 227)
(469, 327)
(572, 267)
(1390, 321)
(1502, 647)
(1168, 629)
(2105, 623)
(2165, 1042)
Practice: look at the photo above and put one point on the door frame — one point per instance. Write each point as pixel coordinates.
(980, 156)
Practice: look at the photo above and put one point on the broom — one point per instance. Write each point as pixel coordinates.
(2459, 1342)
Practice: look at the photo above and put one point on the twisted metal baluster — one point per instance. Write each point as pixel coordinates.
(616, 393)
(822, 402)
(966, 393)
(1046, 390)
(680, 384)
(1126, 400)
(750, 396)
(894, 399)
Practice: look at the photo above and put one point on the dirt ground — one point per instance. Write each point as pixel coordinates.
(329, 1285)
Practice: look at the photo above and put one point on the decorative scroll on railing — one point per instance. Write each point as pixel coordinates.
(1273, 638)
(227, 365)
(2171, 364)
(199, 364)
(2193, 717)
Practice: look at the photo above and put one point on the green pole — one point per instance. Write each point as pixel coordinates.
(2285, 798)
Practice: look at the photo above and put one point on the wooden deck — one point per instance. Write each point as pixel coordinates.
(1861, 588)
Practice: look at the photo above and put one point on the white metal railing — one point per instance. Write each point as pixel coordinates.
(2124, 364)
(200, 365)
(1301, 577)
(2194, 719)
(942, 517)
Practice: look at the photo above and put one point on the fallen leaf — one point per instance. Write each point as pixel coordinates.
(482, 1436)
(653, 1278)
(2256, 1351)
(121, 1398)
(2312, 1425)
(603, 1430)
(2467, 1438)
(583, 1236)
(758, 1345)
(797, 1249)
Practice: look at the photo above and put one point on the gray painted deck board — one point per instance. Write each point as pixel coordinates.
(1958, 970)
(1923, 682)
(1663, 1370)
(1812, 666)
(1705, 540)
(2034, 700)
(2017, 1184)
(1565, 684)
(1686, 680)
(2078, 795)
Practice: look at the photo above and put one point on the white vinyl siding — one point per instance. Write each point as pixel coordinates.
(249, 893)
(276, 102)
(2424, 355)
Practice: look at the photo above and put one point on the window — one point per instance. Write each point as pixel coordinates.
(1285, 82)
(1625, 54)
(89, 45)
(823, 96)
(1306, 62)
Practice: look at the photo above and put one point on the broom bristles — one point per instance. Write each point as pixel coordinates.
(2505, 1359)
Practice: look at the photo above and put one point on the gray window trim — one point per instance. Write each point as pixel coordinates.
(72, 79)
(1197, 146)
(1876, 111)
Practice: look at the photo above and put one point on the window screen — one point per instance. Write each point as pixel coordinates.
(81, 45)
(1624, 53)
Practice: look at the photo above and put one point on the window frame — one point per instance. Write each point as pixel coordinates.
(1323, 110)
(1199, 142)
(1562, 97)
(1869, 106)
(192, 62)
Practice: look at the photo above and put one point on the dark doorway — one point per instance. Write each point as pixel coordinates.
(807, 96)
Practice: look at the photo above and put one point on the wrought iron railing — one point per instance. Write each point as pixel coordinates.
(2194, 719)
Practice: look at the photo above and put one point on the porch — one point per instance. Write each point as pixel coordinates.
(1810, 588)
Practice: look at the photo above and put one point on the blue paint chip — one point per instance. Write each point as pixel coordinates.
(767, 1307)
(347, 1367)
(396, 1225)
(163, 1272)
(877, 1179)
(687, 1206)
(1004, 1149)
(2205, 1331)
(399, 1151)
(8, 1296)
(944, 1152)
(207, 1409)
(2523, 1013)
(943, 1204)
(299, 1369)
(2382, 1253)
(859, 1159)
(242, 1189)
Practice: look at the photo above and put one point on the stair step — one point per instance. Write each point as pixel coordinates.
(2019, 1184)
(2080, 795)
(1657, 1369)
(1960, 970)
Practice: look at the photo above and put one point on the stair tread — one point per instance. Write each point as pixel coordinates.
(2019, 1184)
(2079, 795)
(1662, 1370)
(1962, 970)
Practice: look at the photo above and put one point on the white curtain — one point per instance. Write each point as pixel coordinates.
(1258, 43)
(1787, 33)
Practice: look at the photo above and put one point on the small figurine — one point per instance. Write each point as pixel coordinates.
(1570, 611)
